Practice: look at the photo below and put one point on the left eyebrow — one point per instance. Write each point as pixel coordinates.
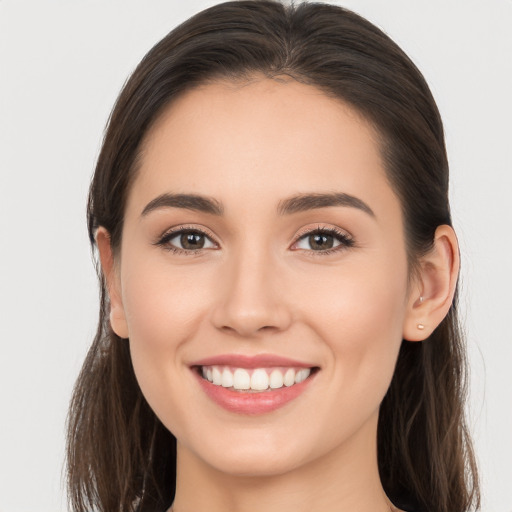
(187, 201)
(305, 202)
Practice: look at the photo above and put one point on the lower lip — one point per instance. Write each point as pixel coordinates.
(252, 403)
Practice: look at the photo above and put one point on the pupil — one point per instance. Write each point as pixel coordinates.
(192, 240)
(321, 241)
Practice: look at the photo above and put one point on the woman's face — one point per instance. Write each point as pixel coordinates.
(262, 238)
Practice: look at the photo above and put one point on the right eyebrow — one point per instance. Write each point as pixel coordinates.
(305, 202)
(187, 201)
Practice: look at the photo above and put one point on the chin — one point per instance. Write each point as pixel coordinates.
(254, 463)
(252, 454)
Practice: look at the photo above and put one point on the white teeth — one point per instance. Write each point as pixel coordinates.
(217, 376)
(276, 379)
(241, 379)
(259, 379)
(302, 375)
(289, 377)
(227, 379)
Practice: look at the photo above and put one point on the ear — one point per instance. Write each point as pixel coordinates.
(113, 281)
(432, 293)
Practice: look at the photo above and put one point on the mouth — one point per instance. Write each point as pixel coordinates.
(254, 380)
(253, 385)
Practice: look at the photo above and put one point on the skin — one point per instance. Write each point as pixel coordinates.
(260, 287)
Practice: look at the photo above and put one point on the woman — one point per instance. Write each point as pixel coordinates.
(278, 324)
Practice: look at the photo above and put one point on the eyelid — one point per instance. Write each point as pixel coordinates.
(168, 234)
(328, 228)
(344, 237)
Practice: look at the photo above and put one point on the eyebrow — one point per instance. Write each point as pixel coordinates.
(304, 202)
(186, 201)
(291, 205)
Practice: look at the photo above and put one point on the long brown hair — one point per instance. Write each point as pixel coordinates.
(120, 457)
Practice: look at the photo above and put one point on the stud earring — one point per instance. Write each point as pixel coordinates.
(421, 299)
(420, 327)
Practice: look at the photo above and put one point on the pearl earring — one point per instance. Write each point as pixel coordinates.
(420, 327)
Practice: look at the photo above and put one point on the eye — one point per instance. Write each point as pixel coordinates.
(186, 241)
(324, 240)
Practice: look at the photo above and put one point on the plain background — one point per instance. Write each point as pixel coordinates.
(62, 64)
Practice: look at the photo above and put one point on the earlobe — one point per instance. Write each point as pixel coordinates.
(432, 295)
(111, 274)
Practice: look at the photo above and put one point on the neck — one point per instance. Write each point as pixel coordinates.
(343, 479)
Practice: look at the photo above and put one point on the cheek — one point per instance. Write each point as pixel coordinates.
(359, 314)
(361, 296)
(164, 308)
(162, 302)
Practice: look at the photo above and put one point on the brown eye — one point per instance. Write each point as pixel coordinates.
(324, 240)
(319, 242)
(192, 240)
(186, 240)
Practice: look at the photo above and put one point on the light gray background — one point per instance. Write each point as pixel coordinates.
(62, 64)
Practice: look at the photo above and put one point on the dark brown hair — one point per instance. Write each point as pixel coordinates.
(120, 457)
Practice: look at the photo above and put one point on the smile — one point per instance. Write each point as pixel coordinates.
(253, 385)
(257, 379)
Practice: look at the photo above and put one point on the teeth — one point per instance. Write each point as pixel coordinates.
(289, 377)
(217, 376)
(301, 375)
(276, 379)
(241, 379)
(259, 379)
(227, 379)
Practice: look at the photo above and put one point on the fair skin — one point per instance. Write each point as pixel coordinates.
(261, 284)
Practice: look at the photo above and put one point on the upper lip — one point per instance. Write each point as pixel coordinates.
(256, 361)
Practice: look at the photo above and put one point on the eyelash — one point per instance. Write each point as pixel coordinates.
(345, 241)
(164, 240)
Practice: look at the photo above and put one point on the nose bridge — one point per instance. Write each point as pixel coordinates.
(251, 299)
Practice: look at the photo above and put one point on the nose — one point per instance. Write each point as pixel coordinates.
(252, 298)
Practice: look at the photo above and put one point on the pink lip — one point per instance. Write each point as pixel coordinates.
(252, 403)
(249, 402)
(258, 361)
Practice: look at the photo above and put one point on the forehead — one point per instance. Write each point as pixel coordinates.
(262, 139)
